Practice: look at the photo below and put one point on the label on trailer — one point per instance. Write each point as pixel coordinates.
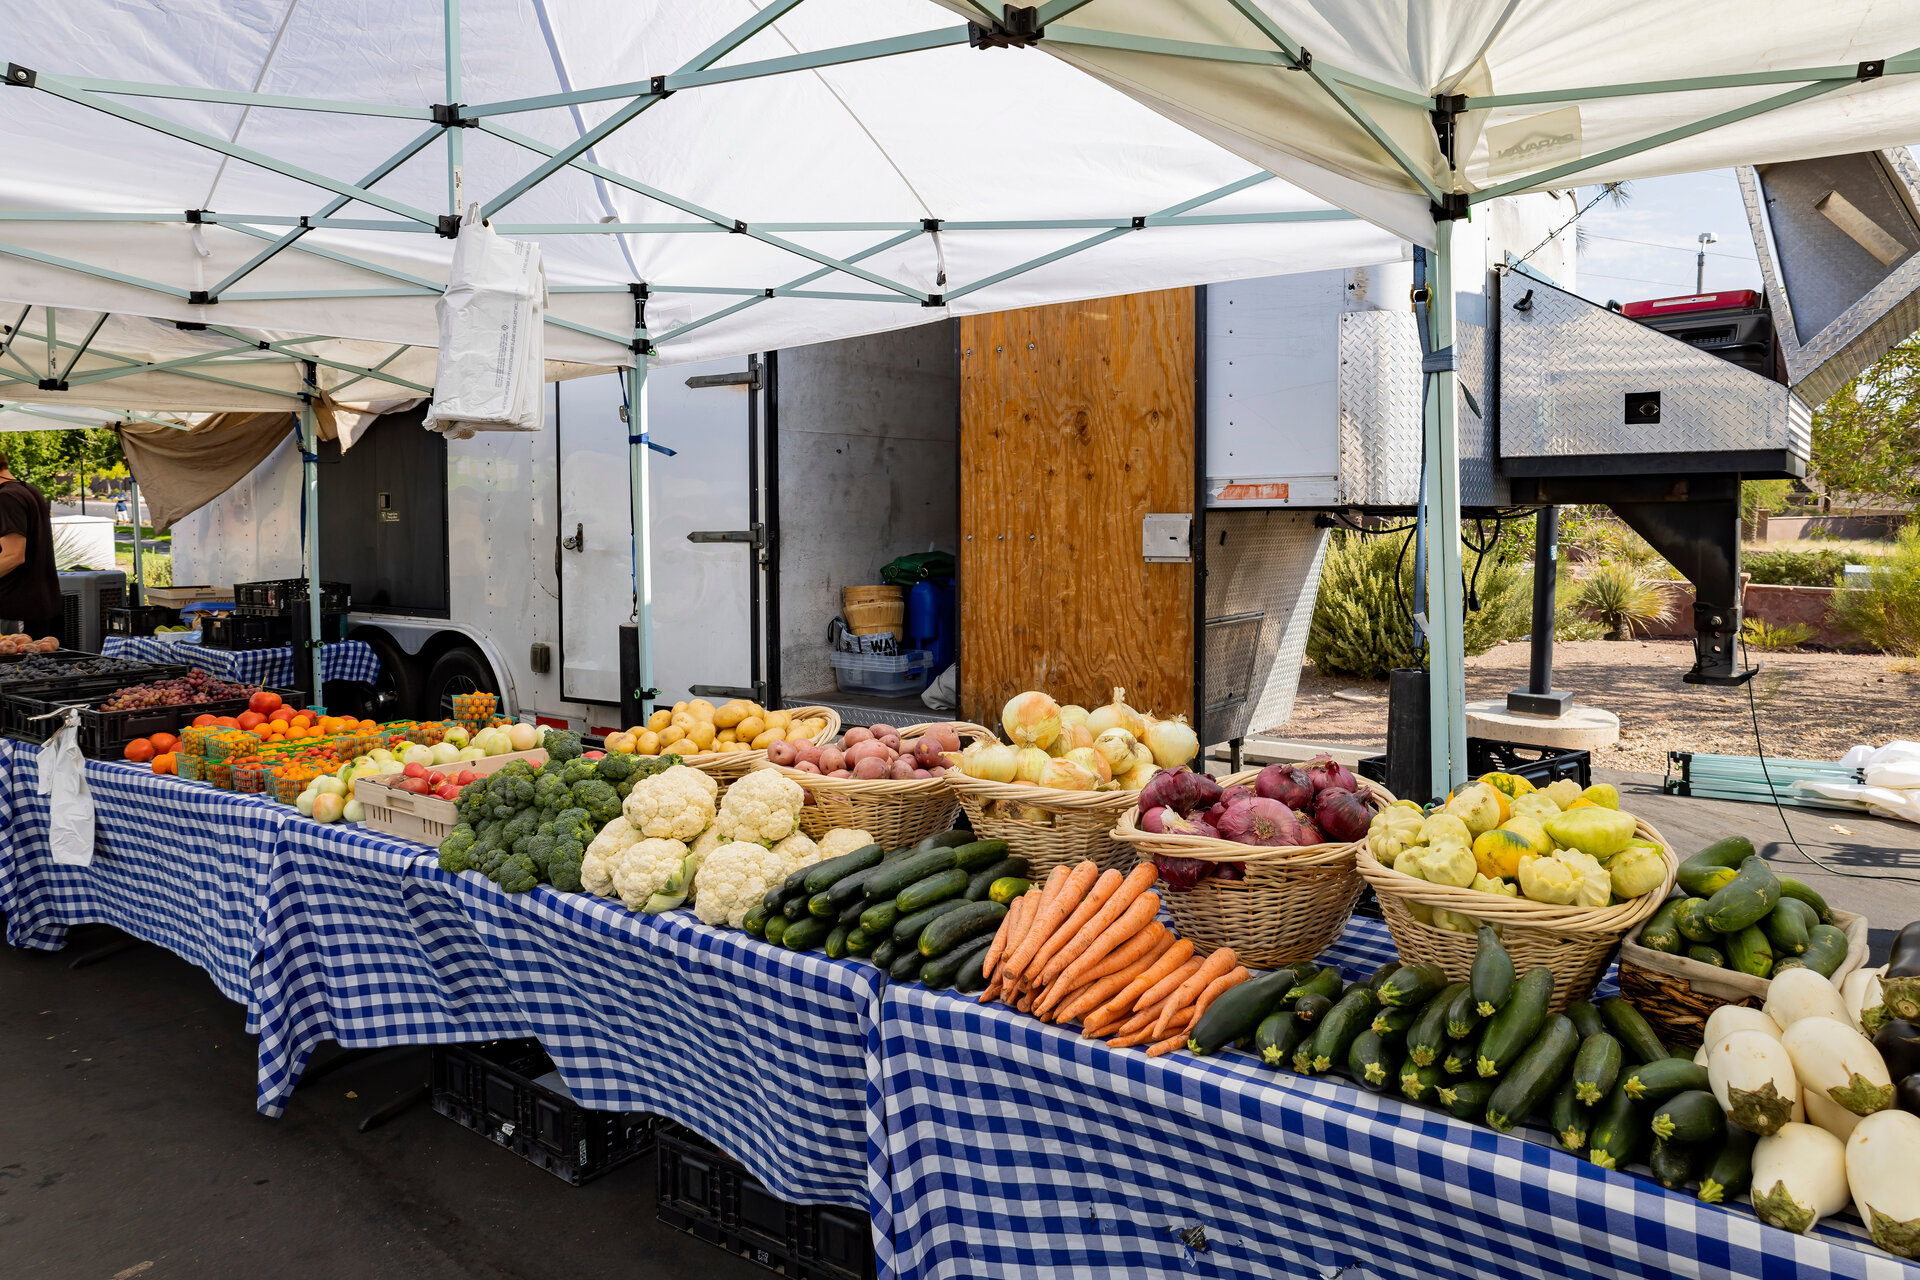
(1252, 493)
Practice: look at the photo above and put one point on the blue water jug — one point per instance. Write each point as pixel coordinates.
(930, 621)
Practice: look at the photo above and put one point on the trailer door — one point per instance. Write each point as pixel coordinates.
(594, 537)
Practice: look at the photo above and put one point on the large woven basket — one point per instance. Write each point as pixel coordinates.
(1293, 902)
(1047, 827)
(896, 814)
(1677, 994)
(1577, 943)
(726, 767)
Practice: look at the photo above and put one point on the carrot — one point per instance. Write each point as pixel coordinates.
(1100, 989)
(1096, 897)
(1168, 1045)
(1146, 1015)
(1053, 912)
(1155, 995)
(1011, 928)
(1214, 988)
(1145, 945)
(1216, 964)
(1170, 959)
(1095, 936)
(1128, 1040)
(1114, 933)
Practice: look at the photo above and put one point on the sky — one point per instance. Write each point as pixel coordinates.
(1645, 247)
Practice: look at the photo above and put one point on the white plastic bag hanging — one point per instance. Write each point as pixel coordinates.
(491, 368)
(63, 780)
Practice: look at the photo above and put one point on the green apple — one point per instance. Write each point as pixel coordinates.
(457, 735)
(445, 753)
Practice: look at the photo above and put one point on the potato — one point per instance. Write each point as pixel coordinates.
(701, 734)
(659, 719)
(871, 768)
(919, 774)
(764, 738)
(891, 739)
(854, 737)
(807, 766)
(750, 728)
(647, 742)
(721, 738)
(882, 730)
(831, 759)
(701, 709)
(679, 707)
(671, 734)
(782, 752)
(901, 770)
(869, 751)
(684, 747)
(841, 773)
(813, 727)
(620, 742)
(729, 714)
(944, 735)
(782, 718)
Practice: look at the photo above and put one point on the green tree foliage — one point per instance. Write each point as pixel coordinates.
(1360, 624)
(1886, 615)
(1866, 439)
(39, 456)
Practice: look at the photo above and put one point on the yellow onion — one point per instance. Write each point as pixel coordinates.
(988, 761)
(1136, 778)
(1074, 736)
(1031, 719)
(1073, 713)
(1069, 775)
(1058, 747)
(1092, 761)
(1117, 715)
(1029, 764)
(1173, 742)
(1116, 745)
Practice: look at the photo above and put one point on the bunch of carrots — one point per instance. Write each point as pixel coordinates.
(1086, 947)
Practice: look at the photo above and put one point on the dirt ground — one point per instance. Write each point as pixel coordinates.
(1812, 706)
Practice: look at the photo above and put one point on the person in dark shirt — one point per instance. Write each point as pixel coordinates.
(29, 586)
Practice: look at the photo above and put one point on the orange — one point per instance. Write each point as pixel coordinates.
(164, 743)
(302, 719)
(261, 731)
(202, 721)
(163, 763)
(139, 751)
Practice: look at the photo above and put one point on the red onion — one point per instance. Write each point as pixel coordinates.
(1230, 871)
(1227, 797)
(1181, 790)
(1182, 874)
(1326, 773)
(1286, 783)
(1260, 822)
(1309, 832)
(1343, 815)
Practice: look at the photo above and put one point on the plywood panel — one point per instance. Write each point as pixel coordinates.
(1076, 421)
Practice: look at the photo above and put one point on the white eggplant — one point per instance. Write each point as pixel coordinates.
(1799, 1177)
(1865, 1000)
(1799, 993)
(1753, 1081)
(1829, 1115)
(1729, 1018)
(1831, 1058)
(1883, 1171)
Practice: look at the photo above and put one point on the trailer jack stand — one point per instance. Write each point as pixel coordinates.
(1694, 521)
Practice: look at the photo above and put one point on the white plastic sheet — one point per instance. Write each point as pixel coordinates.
(63, 780)
(488, 376)
(1890, 786)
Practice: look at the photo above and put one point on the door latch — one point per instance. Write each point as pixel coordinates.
(578, 541)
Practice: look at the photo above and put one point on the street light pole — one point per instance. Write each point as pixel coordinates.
(1700, 262)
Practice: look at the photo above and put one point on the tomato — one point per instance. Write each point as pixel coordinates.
(202, 721)
(265, 702)
(139, 751)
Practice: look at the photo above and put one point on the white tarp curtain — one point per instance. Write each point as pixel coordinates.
(953, 133)
(1286, 122)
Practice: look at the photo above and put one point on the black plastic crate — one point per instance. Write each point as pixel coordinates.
(1538, 765)
(837, 1244)
(282, 593)
(238, 630)
(507, 1090)
(104, 735)
(140, 620)
(134, 672)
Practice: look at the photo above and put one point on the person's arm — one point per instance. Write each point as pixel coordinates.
(13, 552)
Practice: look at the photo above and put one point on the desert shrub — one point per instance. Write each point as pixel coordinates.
(1756, 634)
(1815, 567)
(1886, 615)
(1622, 599)
(1360, 624)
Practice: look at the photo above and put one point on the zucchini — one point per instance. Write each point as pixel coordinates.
(1631, 1030)
(940, 971)
(879, 917)
(1569, 1118)
(1322, 982)
(1586, 1019)
(979, 855)
(1493, 974)
(756, 921)
(854, 910)
(885, 951)
(1745, 898)
(1731, 1169)
(1824, 953)
(1462, 1018)
(1618, 1129)
(1238, 1011)
(823, 875)
(775, 899)
(1335, 1032)
(1391, 1024)
(1596, 1068)
(1420, 1083)
(852, 888)
(1748, 951)
(1690, 918)
(1277, 1036)
(897, 873)
(937, 887)
(1010, 867)
(1721, 855)
(806, 933)
(1672, 1162)
(859, 942)
(945, 840)
(1692, 1116)
(1660, 933)
(1465, 1099)
(1311, 1008)
(1655, 1082)
(969, 921)
(1373, 1062)
(1528, 1082)
(1701, 953)
(1462, 1054)
(1511, 1030)
(795, 907)
(1427, 1037)
(1381, 974)
(1801, 891)
(906, 930)
(906, 965)
(837, 941)
(1007, 888)
(972, 974)
(796, 883)
(821, 904)
(1412, 984)
(1788, 926)
(775, 929)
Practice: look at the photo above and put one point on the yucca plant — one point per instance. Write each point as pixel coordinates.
(1756, 634)
(1622, 599)
(1360, 625)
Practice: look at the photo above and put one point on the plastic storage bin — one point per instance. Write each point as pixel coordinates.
(890, 677)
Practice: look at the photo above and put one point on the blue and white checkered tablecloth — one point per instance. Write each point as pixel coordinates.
(1011, 1148)
(180, 865)
(765, 1052)
(345, 660)
(341, 959)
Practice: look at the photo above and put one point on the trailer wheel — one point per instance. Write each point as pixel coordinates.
(460, 669)
(394, 693)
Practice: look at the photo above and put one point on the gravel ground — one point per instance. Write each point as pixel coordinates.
(1812, 706)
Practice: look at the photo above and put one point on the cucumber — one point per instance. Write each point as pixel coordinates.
(1528, 1082)
(1311, 1008)
(1322, 982)
(945, 840)
(1335, 1032)
(851, 914)
(1690, 918)
(1596, 1068)
(1463, 1019)
(1373, 1062)
(1586, 1019)
(837, 941)
(940, 972)
(796, 882)
(1619, 1126)
(1462, 1054)
(1465, 1099)
(1745, 898)
(1427, 1037)
(1569, 1118)
(1631, 1030)
(823, 875)
(1655, 1082)
(1511, 1030)
(806, 933)
(906, 930)
(885, 951)
(1701, 953)
(775, 899)
(1748, 951)
(756, 921)
(859, 942)
(937, 887)
(897, 873)
(1660, 933)
(1824, 953)
(1238, 1011)
(972, 974)
(1692, 1116)
(1007, 888)
(1801, 891)
(1391, 1024)
(775, 929)
(879, 917)
(969, 921)
(821, 904)
(1278, 1035)
(1420, 1083)
(1493, 974)
(1789, 926)
(795, 907)
(1381, 974)
(906, 965)
(980, 883)
(1672, 1162)
(1721, 855)
(979, 855)
(1412, 984)
(1730, 1171)
(852, 888)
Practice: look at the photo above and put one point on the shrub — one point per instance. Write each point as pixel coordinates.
(1886, 615)
(1795, 568)
(1622, 599)
(1758, 635)
(1360, 624)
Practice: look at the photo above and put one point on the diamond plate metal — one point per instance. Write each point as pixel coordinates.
(1267, 564)
(1481, 485)
(1567, 366)
(1379, 409)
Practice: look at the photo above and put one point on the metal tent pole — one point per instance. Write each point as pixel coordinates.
(640, 499)
(310, 478)
(138, 594)
(1446, 614)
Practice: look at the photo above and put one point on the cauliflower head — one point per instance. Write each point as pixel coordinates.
(604, 854)
(644, 869)
(764, 807)
(843, 840)
(798, 850)
(671, 805)
(734, 878)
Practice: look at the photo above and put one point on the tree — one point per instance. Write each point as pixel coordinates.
(1866, 439)
(39, 456)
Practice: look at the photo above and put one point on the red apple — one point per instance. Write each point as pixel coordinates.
(447, 791)
(418, 786)
(594, 755)
(465, 776)
(415, 771)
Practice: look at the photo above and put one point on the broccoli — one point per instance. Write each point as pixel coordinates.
(456, 851)
(516, 874)
(561, 744)
(577, 824)
(539, 848)
(647, 766)
(563, 868)
(625, 788)
(600, 800)
(615, 766)
(578, 770)
(550, 792)
(519, 827)
(515, 769)
(496, 857)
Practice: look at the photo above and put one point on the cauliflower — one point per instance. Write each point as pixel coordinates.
(843, 840)
(644, 869)
(671, 805)
(706, 843)
(798, 850)
(763, 807)
(604, 854)
(735, 877)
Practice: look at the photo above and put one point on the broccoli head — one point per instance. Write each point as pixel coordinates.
(494, 858)
(599, 799)
(561, 744)
(520, 826)
(539, 848)
(625, 787)
(456, 851)
(647, 766)
(550, 792)
(563, 868)
(615, 766)
(577, 824)
(578, 769)
(516, 874)
(515, 769)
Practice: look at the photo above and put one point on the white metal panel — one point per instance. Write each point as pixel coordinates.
(1272, 376)
(495, 581)
(596, 532)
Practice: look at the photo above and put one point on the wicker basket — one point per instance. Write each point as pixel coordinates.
(1072, 826)
(895, 814)
(1292, 904)
(872, 610)
(1577, 943)
(727, 767)
(1678, 995)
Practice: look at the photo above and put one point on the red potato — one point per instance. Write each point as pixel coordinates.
(920, 775)
(902, 769)
(841, 773)
(780, 751)
(854, 737)
(882, 730)
(807, 766)
(871, 768)
(831, 759)
(891, 740)
(807, 752)
(869, 750)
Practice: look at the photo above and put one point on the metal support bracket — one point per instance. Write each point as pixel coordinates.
(53, 384)
(201, 298)
(22, 77)
(1017, 28)
(657, 86)
(935, 300)
(447, 225)
(447, 116)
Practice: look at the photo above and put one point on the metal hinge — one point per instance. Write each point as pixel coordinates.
(754, 536)
(1018, 28)
(748, 378)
